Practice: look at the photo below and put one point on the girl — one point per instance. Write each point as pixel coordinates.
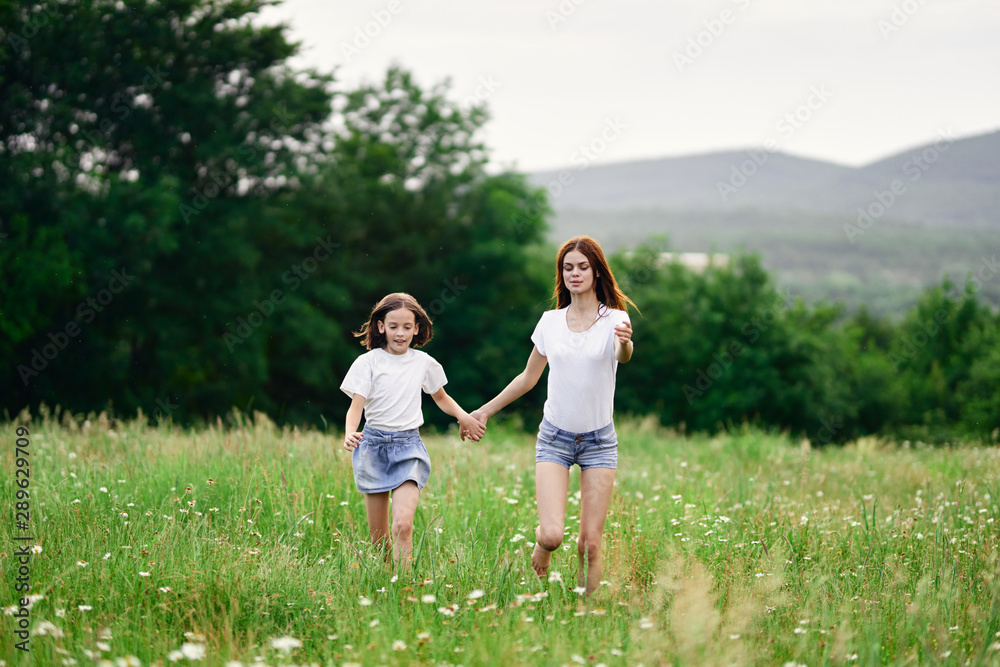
(582, 341)
(385, 383)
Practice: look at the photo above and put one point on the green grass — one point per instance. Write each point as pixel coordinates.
(740, 549)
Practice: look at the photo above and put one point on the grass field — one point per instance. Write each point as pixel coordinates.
(245, 542)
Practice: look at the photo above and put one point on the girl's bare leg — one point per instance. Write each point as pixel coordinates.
(404, 506)
(596, 486)
(551, 486)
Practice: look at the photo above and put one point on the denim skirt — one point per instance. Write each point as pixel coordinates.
(596, 449)
(384, 460)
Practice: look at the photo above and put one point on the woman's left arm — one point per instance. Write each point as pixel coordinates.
(623, 342)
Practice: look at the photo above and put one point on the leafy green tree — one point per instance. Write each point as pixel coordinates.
(979, 395)
(936, 346)
(726, 346)
(420, 214)
(187, 232)
(143, 139)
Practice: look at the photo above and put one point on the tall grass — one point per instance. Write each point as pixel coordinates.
(740, 549)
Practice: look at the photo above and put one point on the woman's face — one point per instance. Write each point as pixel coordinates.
(578, 274)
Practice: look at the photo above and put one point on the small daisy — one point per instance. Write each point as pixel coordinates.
(193, 651)
(286, 644)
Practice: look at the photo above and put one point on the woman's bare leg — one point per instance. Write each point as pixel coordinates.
(596, 486)
(551, 486)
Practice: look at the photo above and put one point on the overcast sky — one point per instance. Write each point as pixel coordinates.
(866, 78)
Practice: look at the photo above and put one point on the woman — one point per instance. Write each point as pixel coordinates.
(582, 341)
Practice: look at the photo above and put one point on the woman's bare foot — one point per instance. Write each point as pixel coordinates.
(540, 559)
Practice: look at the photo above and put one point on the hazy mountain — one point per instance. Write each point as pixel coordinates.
(952, 182)
(801, 215)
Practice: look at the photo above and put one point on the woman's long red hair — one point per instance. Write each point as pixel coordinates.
(605, 284)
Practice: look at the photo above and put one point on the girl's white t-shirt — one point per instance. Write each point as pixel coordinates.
(582, 368)
(391, 385)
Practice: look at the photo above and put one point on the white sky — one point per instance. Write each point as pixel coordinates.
(558, 84)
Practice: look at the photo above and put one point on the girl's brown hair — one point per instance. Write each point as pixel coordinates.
(605, 285)
(369, 334)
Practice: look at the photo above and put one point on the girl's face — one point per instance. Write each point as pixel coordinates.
(399, 327)
(578, 274)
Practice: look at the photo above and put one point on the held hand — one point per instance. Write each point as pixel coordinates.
(352, 440)
(624, 332)
(472, 426)
(480, 416)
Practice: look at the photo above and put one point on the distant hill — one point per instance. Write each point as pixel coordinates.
(944, 220)
(953, 183)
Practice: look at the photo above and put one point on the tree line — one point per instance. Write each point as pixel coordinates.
(188, 225)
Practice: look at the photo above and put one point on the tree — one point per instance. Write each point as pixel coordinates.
(191, 230)
(138, 145)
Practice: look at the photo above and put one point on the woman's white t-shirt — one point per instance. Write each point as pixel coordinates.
(391, 385)
(582, 369)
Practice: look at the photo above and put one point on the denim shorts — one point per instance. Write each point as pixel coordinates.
(596, 449)
(384, 460)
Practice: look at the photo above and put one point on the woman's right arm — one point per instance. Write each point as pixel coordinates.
(518, 387)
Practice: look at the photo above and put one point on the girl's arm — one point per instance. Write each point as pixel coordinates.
(466, 424)
(517, 388)
(623, 342)
(352, 437)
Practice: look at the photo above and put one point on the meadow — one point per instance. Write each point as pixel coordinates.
(245, 543)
